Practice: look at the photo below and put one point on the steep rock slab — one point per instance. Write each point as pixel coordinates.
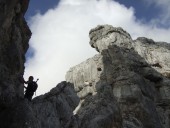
(55, 108)
(123, 79)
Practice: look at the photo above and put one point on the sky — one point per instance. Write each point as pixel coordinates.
(60, 31)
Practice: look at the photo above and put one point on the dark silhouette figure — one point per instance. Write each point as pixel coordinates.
(31, 88)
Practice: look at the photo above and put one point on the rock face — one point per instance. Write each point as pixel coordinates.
(14, 37)
(54, 109)
(126, 85)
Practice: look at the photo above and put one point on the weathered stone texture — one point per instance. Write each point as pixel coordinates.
(55, 109)
(129, 76)
(14, 37)
(126, 85)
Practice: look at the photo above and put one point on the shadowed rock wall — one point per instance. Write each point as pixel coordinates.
(14, 37)
(54, 109)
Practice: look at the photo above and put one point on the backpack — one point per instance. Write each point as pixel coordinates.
(34, 87)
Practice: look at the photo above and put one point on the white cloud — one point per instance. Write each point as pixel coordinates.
(160, 3)
(60, 36)
(164, 17)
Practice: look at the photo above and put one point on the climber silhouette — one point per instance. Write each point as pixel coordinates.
(31, 88)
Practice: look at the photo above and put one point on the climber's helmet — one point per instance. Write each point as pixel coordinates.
(31, 78)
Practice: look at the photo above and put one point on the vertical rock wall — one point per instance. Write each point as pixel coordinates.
(54, 109)
(125, 85)
(14, 37)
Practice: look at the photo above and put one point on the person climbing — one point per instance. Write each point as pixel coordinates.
(31, 88)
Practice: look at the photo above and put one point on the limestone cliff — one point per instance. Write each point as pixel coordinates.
(126, 85)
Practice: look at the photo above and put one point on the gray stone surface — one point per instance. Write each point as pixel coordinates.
(55, 109)
(14, 37)
(130, 76)
(126, 85)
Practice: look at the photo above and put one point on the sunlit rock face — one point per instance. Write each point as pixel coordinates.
(126, 85)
